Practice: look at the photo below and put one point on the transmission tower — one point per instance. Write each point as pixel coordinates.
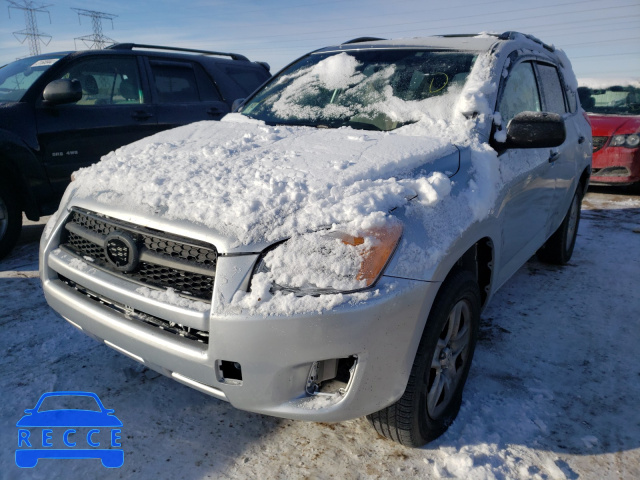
(96, 40)
(30, 33)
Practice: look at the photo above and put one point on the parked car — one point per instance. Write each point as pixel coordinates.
(62, 111)
(614, 113)
(325, 253)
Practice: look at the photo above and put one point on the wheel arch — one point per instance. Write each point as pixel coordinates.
(18, 165)
(479, 260)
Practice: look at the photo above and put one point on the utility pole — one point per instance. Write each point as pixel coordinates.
(96, 40)
(30, 33)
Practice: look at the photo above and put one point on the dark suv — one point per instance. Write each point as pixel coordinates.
(62, 111)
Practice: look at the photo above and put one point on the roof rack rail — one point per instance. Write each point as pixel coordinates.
(131, 46)
(465, 35)
(510, 35)
(362, 39)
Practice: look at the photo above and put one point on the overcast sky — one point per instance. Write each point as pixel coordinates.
(602, 38)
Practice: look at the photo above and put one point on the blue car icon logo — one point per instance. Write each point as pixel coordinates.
(69, 425)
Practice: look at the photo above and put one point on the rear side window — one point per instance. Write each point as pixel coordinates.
(552, 89)
(175, 82)
(248, 79)
(520, 93)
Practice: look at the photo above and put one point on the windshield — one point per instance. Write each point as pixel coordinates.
(371, 89)
(17, 77)
(615, 100)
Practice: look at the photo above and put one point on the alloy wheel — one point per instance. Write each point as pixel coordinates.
(449, 359)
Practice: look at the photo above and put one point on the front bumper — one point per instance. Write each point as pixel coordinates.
(276, 352)
(616, 166)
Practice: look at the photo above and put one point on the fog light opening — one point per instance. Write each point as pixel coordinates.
(331, 377)
(230, 372)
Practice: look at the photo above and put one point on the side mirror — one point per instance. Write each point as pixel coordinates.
(62, 91)
(236, 106)
(536, 130)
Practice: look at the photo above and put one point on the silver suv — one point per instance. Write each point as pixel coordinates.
(326, 252)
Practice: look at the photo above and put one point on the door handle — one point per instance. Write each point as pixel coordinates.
(141, 115)
(553, 156)
(214, 111)
(581, 139)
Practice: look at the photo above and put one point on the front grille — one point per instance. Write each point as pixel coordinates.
(165, 260)
(598, 143)
(200, 336)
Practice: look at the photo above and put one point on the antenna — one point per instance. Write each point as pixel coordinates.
(97, 40)
(31, 33)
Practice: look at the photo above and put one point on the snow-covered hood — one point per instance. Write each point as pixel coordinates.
(253, 184)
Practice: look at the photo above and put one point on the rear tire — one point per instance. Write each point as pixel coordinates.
(433, 395)
(558, 249)
(10, 218)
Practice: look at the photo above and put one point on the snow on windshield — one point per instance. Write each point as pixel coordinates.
(375, 90)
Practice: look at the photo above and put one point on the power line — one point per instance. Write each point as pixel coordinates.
(606, 55)
(329, 38)
(600, 42)
(31, 32)
(97, 40)
(511, 20)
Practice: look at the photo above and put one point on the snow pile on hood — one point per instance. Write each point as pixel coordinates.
(255, 183)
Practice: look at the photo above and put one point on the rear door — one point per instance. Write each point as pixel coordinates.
(112, 112)
(184, 93)
(566, 157)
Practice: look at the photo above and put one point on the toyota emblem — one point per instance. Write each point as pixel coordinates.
(121, 251)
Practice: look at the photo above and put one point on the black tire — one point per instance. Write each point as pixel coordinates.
(10, 218)
(558, 249)
(422, 414)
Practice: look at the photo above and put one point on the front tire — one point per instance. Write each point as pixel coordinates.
(10, 218)
(433, 395)
(558, 249)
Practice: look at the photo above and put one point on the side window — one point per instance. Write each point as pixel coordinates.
(175, 82)
(520, 93)
(551, 89)
(248, 79)
(107, 81)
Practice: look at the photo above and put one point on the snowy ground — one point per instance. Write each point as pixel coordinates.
(554, 391)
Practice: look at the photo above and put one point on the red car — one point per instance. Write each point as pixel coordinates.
(614, 113)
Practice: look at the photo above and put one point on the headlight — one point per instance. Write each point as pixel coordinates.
(629, 141)
(330, 261)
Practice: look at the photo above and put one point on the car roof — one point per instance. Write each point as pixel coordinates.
(163, 53)
(479, 42)
(471, 43)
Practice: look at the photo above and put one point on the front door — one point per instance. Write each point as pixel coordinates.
(112, 112)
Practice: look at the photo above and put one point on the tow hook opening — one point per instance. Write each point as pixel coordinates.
(331, 377)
